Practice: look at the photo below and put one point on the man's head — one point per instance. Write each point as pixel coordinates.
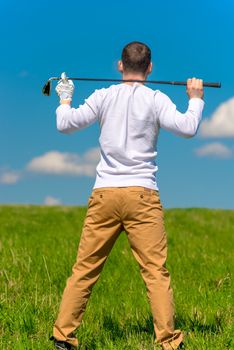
(136, 59)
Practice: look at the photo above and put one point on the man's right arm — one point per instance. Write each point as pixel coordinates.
(182, 124)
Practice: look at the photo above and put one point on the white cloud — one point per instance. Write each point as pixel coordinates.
(49, 200)
(55, 163)
(9, 177)
(58, 163)
(221, 124)
(216, 150)
(92, 155)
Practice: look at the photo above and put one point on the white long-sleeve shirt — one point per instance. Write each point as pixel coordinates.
(130, 117)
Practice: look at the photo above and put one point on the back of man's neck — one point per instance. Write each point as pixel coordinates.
(133, 76)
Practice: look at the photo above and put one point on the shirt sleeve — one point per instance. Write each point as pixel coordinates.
(181, 124)
(71, 119)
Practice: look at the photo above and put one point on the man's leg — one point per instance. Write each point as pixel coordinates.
(144, 225)
(101, 229)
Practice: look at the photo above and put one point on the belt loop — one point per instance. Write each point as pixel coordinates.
(147, 189)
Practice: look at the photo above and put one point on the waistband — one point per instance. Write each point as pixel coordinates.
(131, 188)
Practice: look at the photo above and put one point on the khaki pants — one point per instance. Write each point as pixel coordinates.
(137, 211)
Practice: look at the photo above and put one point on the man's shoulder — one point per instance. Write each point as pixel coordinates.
(109, 91)
(143, 90)
(120, 86)
(106, 90)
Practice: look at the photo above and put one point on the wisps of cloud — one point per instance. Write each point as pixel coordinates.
(23, 73)
(50, 201)
(221, 124)
(215, 150)
(9, 177)
(58, 163)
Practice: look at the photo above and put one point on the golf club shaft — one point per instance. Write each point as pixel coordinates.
(183, 83)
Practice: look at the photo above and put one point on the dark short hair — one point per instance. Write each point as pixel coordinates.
(136, 57)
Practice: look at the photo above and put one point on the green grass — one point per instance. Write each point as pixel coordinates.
(38, 247)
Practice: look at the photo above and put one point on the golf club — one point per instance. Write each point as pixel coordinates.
(46, 90)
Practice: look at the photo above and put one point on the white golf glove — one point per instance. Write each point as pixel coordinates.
(65, 88)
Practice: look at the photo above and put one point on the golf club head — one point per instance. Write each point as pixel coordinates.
(47, 88)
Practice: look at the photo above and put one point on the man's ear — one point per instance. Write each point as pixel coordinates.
(120, 66)
(150, 67)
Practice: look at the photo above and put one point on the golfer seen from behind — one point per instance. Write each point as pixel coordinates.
(125, 196)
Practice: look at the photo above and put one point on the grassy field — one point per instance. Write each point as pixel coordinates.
(38, 247)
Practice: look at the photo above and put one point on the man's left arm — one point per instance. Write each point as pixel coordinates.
(71, 119)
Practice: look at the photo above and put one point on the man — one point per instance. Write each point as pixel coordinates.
(125, 195)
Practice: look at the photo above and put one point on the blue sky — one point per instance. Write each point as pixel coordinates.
(42, 39)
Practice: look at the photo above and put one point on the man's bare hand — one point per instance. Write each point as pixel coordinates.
(195, 88)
